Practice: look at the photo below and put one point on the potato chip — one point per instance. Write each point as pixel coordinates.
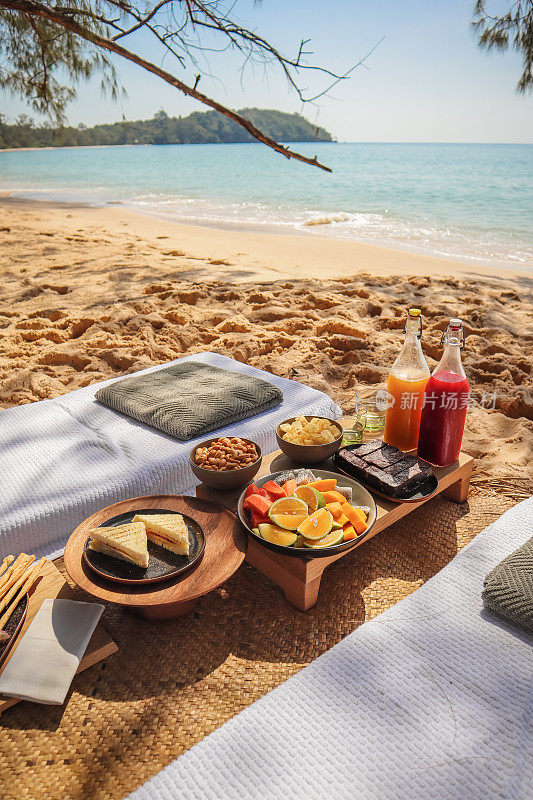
(310, 432)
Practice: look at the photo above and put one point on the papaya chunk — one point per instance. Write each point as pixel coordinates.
(335, 509)
(324, 485)
(348, 533)
(334, 497)
(290, 487)
(355, 516)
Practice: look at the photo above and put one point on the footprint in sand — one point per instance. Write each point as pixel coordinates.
(65, 358)
(321, 302)
(57, 289)
(53, 314)
(43, 333)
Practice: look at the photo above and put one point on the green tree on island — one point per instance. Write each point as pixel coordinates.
(197, 128)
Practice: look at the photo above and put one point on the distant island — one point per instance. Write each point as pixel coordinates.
(208, 127)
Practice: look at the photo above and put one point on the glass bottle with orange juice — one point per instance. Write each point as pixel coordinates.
(407, 381)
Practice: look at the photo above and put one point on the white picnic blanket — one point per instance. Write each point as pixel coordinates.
(63, 459)
(432, 700)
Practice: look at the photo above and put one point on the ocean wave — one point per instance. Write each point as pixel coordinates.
(414, 235)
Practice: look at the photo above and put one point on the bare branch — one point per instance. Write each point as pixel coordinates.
(142, 21)
(41, 11)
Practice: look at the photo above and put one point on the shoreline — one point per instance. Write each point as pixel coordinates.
(268, 255)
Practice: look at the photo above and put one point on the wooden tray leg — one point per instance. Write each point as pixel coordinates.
(301, 594)
(458, 491)
(291, 574)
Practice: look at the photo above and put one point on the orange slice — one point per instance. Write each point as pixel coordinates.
(288, 512)
(317, 525)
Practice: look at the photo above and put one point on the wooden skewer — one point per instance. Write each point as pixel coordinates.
(28, 581)
(5, 564)
(14, 572)
(19, 581)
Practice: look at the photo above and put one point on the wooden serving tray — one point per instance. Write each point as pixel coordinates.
(52, 585)
(300, 577)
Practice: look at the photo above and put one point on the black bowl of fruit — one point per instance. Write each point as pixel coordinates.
(307, 514)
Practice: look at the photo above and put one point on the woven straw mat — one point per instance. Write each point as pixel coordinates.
(172, 683)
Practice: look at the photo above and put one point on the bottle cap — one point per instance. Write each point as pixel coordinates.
(456, 335)
(414, 312)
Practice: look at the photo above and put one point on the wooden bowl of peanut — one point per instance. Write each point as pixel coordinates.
(226, 462)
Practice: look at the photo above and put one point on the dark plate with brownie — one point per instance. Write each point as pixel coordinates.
(388, 471)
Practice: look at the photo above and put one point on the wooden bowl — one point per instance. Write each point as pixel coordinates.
(229, 478)
(308, 453)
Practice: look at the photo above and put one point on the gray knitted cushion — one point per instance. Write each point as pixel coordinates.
(190, 399)
(508, 588)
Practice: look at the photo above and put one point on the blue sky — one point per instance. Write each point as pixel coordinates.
(427, 81)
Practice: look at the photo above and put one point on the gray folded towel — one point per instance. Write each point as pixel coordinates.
(508, 588)
(190, 399)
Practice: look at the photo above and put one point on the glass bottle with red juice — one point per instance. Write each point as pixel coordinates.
(445, 402)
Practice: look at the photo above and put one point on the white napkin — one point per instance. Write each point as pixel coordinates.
(42, 667)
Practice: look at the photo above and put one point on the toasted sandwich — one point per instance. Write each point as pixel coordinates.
(127, 542)
(166, 530)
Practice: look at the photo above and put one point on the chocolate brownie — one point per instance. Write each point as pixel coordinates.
(411, 464)
(410, 476)
(385, 457)
(369, 447)
(401, 473)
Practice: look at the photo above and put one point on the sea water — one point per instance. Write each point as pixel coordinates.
(468, 201)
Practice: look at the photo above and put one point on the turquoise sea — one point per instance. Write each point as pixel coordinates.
(468, 201)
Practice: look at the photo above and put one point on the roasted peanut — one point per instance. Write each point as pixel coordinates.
(227, 454)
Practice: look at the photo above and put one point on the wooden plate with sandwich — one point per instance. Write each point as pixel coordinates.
(144, 546)
(167, 597)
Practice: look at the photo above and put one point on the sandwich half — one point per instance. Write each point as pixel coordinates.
(166, 530)
(127, 542)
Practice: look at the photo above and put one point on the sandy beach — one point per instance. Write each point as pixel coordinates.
(92, 293)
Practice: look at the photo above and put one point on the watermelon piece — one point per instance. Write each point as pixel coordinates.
(290, 487)
(258, 519)
(258, 503)
(274, 490)
(255, 490)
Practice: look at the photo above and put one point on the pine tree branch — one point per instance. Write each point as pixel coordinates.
(50, 14)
